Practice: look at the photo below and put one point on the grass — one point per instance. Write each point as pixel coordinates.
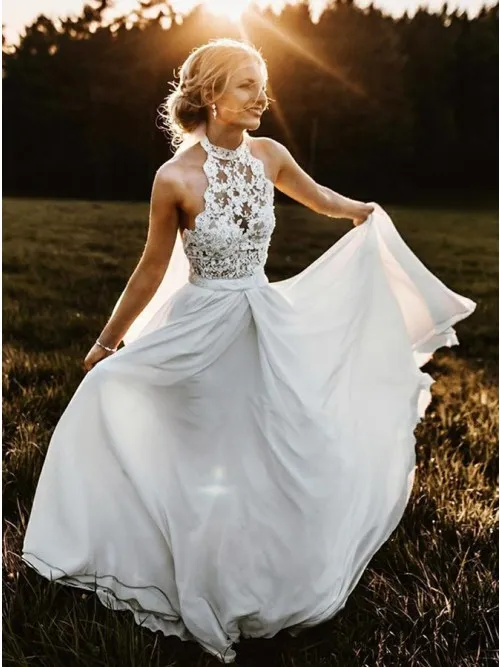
(429, 597)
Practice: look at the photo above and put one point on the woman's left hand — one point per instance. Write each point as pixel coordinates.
(362, 216)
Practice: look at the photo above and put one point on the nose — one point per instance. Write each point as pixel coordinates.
(262, 98)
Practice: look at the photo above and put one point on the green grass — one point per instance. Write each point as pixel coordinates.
(429, 596)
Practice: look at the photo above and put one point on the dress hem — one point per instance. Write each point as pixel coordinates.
(110, 600)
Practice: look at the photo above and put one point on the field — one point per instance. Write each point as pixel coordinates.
(429, 597)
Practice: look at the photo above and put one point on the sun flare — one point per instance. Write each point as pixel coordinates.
(231, 10)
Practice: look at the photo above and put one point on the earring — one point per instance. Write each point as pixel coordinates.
(214, 111)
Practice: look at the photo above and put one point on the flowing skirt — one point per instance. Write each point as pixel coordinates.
(232, 470)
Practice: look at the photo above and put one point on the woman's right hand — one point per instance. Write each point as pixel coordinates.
(94, 356)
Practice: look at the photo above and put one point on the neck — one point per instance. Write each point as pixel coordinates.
(224, 137)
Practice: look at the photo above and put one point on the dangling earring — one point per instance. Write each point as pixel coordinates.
(214, 111)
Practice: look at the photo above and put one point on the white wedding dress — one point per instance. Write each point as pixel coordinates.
(234, 467)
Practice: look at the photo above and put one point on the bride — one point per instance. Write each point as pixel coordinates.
(237, 73)
(231, 470)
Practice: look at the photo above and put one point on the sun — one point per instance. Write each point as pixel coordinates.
(230, 9)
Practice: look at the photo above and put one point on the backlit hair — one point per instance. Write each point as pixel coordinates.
(203, 78)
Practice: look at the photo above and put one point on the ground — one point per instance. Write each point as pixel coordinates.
(429, 596)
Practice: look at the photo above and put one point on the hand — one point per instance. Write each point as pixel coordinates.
(95, 354)
(362, 216)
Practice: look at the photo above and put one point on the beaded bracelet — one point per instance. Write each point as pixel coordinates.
(108, 349)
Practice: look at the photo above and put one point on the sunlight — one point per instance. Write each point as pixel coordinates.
(218, 472)
(230, 10)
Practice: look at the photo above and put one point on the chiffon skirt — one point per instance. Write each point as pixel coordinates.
(231, 471)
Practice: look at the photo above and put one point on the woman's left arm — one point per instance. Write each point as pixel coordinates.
(293, 181)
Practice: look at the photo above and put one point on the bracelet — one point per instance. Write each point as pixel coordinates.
(108, 349)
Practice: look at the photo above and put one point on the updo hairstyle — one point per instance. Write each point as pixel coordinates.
(203, 78)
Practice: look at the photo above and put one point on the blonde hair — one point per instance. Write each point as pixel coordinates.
(203, 78)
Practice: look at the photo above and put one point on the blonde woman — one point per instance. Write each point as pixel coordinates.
(232, 469)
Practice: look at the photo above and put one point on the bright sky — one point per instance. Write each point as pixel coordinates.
(18, 13)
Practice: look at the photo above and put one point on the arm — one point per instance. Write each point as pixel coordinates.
(293, 181)
(146, 277)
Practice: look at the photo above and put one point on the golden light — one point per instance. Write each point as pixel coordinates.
(229, 9)
(232, 9)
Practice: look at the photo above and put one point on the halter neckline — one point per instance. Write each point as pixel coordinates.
(220, 151)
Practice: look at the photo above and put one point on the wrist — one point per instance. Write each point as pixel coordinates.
(109, 338)
(348, 208)
(106, 346)
(356, 209)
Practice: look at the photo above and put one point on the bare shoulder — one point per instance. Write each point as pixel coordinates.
(179, 171)
(273, 148)
(170, 174)
(172, 178)
(274, 154)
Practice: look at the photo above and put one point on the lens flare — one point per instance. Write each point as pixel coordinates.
(229, 9)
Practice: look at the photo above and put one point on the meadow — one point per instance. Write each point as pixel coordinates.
(429, 597)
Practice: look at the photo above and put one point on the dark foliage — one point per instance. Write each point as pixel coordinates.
(372, 106)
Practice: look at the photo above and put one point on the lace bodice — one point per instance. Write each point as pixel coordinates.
(232, 234)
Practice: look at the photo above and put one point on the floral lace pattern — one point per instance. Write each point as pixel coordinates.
(232, 234)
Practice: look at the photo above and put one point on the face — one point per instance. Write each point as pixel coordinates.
(244, 99)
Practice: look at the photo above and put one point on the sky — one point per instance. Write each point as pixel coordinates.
(18, 13)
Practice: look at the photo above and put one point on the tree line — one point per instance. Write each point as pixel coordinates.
(374, 106)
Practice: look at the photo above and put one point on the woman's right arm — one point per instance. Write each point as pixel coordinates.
(146, 277)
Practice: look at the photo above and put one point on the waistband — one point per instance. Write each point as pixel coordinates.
(257, 279)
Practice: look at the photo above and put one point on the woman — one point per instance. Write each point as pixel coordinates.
(234, 467)
(179, 185)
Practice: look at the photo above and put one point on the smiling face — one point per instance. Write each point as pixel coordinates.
(244, 99)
